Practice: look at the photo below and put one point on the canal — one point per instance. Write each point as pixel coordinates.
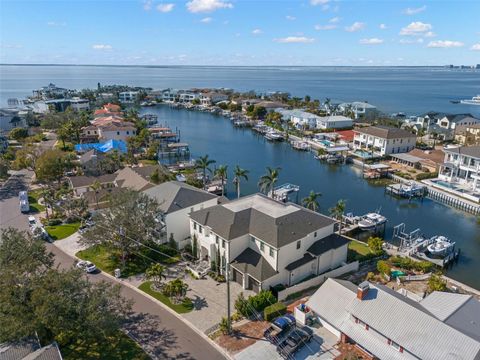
(215, 136)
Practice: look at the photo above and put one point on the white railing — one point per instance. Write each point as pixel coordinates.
(317, 281)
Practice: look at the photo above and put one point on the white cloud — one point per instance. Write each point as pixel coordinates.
(475, 47)
(445, 44)
(356, 26)
(257, 31)
(295, 39)
(430, 34)
(372, 41)
(325, 27)
(334, 20)
(382, 26)
(319, 2)
(196, 6)
(55, 24)
(413, 11)
(290, 17)
(147, 5)
(411, 41)
(102, 47)
(416, 28)
(165, 8)
(206, 20)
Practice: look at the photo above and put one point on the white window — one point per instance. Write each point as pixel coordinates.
(299, 243)
(395, 345)
(194, 226)
(272, 252)
(262, 246)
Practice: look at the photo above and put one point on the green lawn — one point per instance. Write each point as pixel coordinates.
(108, 260)
(358, 251)
(179, 308)
(63, 231)
(148, 162)
(117, 348)
(33, 197)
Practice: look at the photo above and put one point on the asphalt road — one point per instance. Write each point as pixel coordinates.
(160, 333)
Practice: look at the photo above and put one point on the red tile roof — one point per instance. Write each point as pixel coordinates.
(346, 135)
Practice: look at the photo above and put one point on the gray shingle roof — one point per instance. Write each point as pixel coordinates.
(385, 132)
(175, 195)
(252, 263)
(333, 241)
(81, 181)
(396, 317)
(50, 352)
(460, 117)
(19, 349)
(300, 262)
(473, 151)
(275, 223)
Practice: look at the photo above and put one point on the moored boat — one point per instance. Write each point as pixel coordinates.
(440, 246)
(474, 101)
(371, 221)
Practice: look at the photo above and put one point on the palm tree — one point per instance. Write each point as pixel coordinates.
(311, 201)
(221, 172)
(203, 163)
(267, 182)
(96, 186)
(337, 212)
(239, 173)
(156, 273)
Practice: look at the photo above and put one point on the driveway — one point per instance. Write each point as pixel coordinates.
(321, 347)
(70, 245)
(10, 215)
(210, 301)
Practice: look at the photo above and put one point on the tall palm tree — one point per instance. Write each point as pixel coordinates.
(203, 163)
(311, 201)
(221, 172)
(267, 182)
(337, 212)
(96, 186)
(239, 174)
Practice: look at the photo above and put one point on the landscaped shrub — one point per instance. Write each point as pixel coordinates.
(273, 311)
(427, 175)
(409, 264)
(383, 267)
(254, 304)
(54, 222)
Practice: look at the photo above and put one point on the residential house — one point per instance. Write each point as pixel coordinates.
(462, 166)
(269, 105)
(116, 130)
(177, 200)
(83, 183)
(468, 134)
(127, 97)
(51, 91)
(452, 121)
(187, 96)
(11, 119)
(29, 349)
(360, 110)
(212, 98)
(383, 324)
(384, 140)
(267, 242)
(91, 162)
(169, 95)
(430, 160)
(302, 119)
(63, 104)
(333, 122)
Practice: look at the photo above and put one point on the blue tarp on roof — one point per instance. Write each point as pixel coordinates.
(105, 147)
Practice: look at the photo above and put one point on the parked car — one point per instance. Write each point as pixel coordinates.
(87, 266)
(294, 342)
(280, 327)
(32, 222)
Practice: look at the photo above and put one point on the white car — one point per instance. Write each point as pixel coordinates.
(87, 266)
(32, 221)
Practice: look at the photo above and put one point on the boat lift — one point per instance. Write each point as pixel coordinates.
(282, 192)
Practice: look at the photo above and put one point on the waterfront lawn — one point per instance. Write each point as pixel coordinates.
(179, 308)
(358, 251)
(33, 197)
(116, 348)
(148, 162)
(63, 231)
(107, 259)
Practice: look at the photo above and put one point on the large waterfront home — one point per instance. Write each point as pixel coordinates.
(302, 119)
(462, 167)
(384, 140)
(334, 122)
(267, 242)
(360, 110)
(127, 97)
(177, 200)
(384, 324)
(212, 98)
(187, 96)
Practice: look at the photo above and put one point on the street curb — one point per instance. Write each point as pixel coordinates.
(171, 311)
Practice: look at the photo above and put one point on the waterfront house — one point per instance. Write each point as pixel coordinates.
(11, 119)
(462, 166)
(427, 160)
(116, 130)
(212, 98)
(452, 121)
(302, 119)
(384, 140)
(128, 97)
(187, 96)
(468, 134)
(169, 95)
(269, 105)
(177, 200)
(267, 242)
(383, 324)
(333, 122)
(51, 91)
(360, 110)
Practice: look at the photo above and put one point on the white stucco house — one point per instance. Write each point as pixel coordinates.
(177, 200)
(267, 242)
(128, 96)
(302, 119)
(361, 110)
(334, 122)
(212, 98)
(384, 140)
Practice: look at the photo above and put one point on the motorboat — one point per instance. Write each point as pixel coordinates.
(273, 136)
(371, 221)
(300, 145)
(474, 101)
(440, 246)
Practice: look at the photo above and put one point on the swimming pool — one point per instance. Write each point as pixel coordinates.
(363, 154)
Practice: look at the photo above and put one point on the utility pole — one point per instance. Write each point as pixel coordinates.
(227, 277)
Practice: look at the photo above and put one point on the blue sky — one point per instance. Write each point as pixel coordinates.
(240, 32)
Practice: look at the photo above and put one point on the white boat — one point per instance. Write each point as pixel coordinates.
(273, 136)
(371, 221)
(474, 101)
(300, 145)
(440, 246)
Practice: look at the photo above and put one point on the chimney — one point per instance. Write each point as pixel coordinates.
(362, 290)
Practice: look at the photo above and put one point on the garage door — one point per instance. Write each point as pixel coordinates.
(237, 277)
(253, 284)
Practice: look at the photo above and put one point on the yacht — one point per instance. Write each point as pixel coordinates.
(441, 246)
(274, 136)
(475, 101)
(371, 221)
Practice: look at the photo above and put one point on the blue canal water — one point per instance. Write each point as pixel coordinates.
(410, 90)
(215, 136)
